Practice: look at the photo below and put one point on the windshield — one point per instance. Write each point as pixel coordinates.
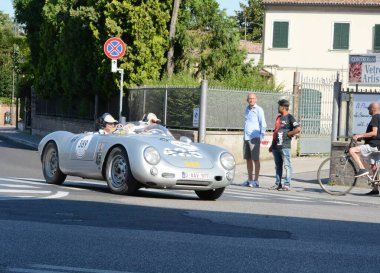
(154, 129)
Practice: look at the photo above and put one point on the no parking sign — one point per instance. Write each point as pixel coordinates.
(114, 48)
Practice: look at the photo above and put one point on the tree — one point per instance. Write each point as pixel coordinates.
(67, 37)
(250, 20)
(6, 45)
(207, 43)
(173, 21)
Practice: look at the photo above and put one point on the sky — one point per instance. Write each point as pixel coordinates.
(229, 5)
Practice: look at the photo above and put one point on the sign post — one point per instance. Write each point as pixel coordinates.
(114, 48)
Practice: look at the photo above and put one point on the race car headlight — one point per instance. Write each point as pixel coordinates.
(227, 160)
(151, 156)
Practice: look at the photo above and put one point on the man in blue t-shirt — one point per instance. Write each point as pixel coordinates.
(254, 130)
(286, 127)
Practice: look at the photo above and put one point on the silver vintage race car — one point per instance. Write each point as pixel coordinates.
(150, 157)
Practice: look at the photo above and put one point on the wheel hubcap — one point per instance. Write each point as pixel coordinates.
(118, 171)
(52, 163)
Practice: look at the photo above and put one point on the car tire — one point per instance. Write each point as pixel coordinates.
(50, 165)
(118, 173)
(210, 194)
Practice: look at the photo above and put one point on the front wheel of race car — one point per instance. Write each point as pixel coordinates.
(118, 173)
(50, 165)
(210, 194)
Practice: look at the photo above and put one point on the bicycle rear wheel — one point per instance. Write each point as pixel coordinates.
(338, 180)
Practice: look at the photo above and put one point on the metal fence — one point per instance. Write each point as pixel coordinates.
(65, 107)
(315, 106)
(225, 107)
(315, 110)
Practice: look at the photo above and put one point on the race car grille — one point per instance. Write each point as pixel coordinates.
(192, 183)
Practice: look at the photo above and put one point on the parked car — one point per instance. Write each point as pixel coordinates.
(149, 157)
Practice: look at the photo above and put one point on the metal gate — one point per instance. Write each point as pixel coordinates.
(315, 104)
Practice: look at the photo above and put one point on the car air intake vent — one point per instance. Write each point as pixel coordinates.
(192, 183)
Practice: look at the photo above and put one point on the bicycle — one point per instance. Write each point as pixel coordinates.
(341, 179)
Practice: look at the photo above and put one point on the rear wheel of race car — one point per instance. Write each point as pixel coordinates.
(50, 165)
(118, 173)
(210, 194)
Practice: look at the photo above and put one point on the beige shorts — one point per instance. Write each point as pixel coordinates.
(251, 149)
(369, 153)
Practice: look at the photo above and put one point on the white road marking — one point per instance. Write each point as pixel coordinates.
(19, 180)
(296, 200)
(16, 186)
(247, 197)
(22, 191)
(341, 203)
(280, 195)
(59, 194)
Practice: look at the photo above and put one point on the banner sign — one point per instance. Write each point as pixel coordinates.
(361, 116)
(364, 69)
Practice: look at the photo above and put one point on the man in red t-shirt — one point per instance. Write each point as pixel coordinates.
(286, 127)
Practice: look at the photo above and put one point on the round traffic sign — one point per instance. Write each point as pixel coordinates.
(114, 48)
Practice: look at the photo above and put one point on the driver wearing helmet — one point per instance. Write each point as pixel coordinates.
(107, 124)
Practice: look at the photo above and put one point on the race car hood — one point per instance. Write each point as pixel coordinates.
(181, 154)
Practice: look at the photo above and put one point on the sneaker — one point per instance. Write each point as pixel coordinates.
(254, 184)
(373, 192)
(284, 188)
(276, 187)
(245, 184)
(361, 172)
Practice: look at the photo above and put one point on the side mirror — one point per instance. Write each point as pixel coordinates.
(185, 139)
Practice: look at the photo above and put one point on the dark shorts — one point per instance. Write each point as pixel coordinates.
(251, 149)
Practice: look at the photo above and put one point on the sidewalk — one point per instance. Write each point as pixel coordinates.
(304, 179)
(10, 132)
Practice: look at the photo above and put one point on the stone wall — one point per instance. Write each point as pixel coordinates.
(337, 151)
(42, 125)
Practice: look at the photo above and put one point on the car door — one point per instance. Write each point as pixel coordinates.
(82, 155)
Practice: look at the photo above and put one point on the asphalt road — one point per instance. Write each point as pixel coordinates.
(82, 227)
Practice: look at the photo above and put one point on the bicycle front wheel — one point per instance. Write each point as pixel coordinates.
(336, 175)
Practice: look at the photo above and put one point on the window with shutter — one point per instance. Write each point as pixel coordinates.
(376, 39)
(280, 34)
(341, 36)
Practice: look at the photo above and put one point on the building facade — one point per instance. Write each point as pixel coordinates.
(316, 37)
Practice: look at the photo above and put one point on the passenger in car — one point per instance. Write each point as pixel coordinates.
(152, 118)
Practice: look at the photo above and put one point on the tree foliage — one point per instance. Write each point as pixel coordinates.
(66, 39)
(207, 47)
(251, 20)
(13, 53)
(6, 46)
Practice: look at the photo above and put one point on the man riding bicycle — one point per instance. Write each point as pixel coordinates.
(371, 143)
